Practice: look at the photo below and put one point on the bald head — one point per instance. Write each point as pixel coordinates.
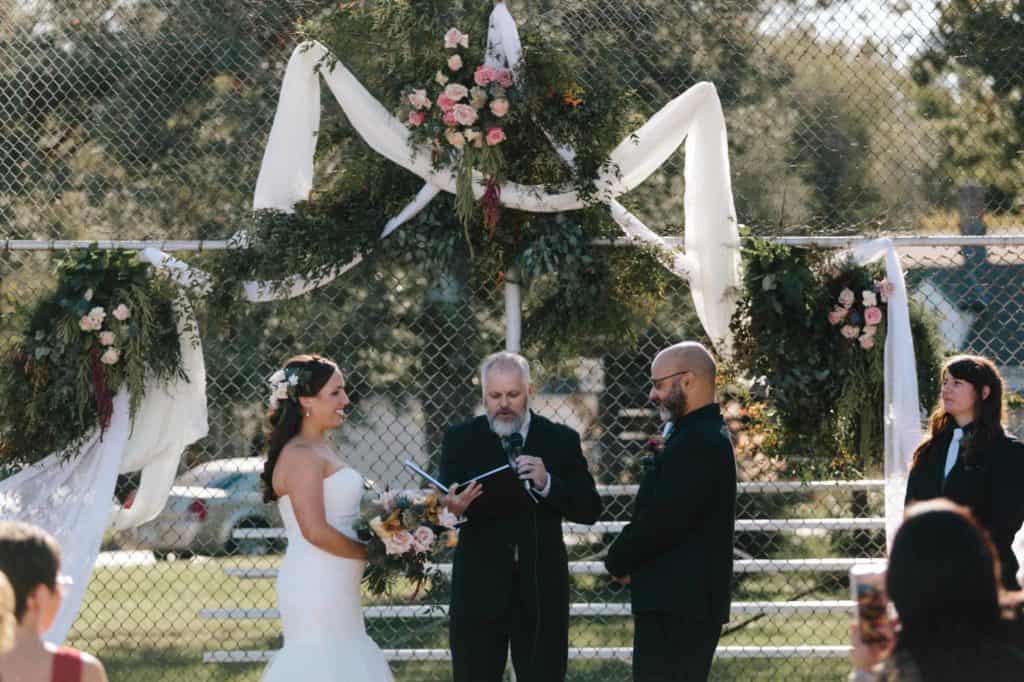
(688, 356)
(682, 379)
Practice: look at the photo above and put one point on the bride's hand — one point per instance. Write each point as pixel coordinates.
(458, 503)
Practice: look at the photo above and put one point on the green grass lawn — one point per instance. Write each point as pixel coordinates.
(144, 622)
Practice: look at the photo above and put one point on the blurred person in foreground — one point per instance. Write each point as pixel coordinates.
(30, 559)
(7, 620)
(944, 580)
(968, 457)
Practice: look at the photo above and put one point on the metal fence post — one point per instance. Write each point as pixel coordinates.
(513, 311)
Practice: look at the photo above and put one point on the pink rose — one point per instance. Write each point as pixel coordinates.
(465, 114)
(499, 107)
(837, 315)
(846, 298)
(455, 62)
(849, 331)
(454, 137)
(867, 342)
(110, 356)
(398, 543)
(483, 75)
(445, 102)
(495, 136)
(449, 119)
(885, 289)
(504, 78)
(121, 312)
(454, 37)
(85, 323)
(419, 99)
(873, 315)
(456, 92)
(416, 118)
(107, 338)
(423, 539)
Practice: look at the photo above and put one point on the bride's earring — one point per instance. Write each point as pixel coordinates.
(307, 413)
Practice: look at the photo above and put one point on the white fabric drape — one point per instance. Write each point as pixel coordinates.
(73, 499)
(902, 410)
(711, 261)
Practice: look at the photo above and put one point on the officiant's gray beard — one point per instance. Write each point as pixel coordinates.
(504, 428)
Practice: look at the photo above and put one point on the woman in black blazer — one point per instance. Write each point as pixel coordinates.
(969, 458)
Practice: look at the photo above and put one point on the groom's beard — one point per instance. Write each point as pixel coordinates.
(674, 405)
(507, 425)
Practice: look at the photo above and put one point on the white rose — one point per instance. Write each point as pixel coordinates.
(869, 298)
(455, 138)
(456, 92)
(446, 518)
(87, 295)
(277, 377)
(441, 78)
(110, 356)
(122, 313)
(97, 315)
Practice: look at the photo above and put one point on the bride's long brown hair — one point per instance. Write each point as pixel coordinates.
(284, 421)
(988, 418)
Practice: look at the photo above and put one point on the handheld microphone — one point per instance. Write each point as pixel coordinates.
(514, 448)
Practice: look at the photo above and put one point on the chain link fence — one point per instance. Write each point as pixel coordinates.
(148, 120)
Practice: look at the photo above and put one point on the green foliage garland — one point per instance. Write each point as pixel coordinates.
(822, 380)
(109, 325)
(397, 47)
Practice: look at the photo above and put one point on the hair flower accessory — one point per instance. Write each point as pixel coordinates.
(281, 383)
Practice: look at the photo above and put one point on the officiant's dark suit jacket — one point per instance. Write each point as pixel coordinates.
(989, 480)
(510, 549)
(677, 549)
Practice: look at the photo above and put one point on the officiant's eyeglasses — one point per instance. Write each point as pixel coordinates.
(656, 382)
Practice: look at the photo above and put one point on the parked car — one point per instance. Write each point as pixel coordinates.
(207, 504)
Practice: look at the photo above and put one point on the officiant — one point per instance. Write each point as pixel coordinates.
(510, 577)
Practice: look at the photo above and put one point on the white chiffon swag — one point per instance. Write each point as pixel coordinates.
(902, 407)
(73, 499)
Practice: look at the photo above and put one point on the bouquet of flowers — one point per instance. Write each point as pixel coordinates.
(861, 319)
(467, 125)
(403, 531)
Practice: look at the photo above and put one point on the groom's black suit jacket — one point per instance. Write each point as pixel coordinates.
(501, 524)
(677, 549)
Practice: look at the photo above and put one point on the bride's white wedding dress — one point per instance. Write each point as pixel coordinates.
(318, 597)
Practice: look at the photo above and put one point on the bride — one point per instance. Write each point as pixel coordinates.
(318, 495)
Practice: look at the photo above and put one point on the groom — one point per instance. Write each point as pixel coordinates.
(510, 578)
(676, 552)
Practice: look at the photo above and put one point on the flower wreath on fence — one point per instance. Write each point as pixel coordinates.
(504, 124)
(109, 325)
(810, 333)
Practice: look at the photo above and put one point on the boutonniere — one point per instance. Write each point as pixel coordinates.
(655, 444)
